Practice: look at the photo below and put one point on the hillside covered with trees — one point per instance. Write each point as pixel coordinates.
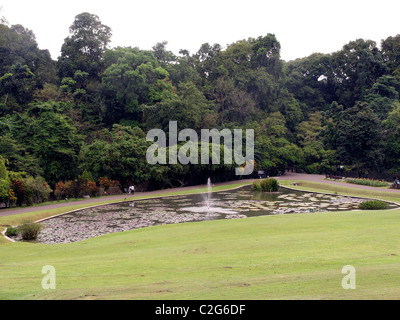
(78, 125)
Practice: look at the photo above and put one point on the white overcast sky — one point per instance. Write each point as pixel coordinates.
(301, 26)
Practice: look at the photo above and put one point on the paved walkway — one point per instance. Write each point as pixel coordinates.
(321, 178)
(287, 176)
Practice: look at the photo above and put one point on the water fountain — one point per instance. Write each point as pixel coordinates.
(208, 207)
(207, 195)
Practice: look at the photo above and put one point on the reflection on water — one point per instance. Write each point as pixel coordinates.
(239, 203)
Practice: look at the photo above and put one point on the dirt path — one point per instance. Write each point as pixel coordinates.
(287, 176)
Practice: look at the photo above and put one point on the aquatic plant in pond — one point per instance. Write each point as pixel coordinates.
(266, 185)
(240, 203)
(373, 205)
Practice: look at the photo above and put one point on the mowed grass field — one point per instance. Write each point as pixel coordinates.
(294, 256)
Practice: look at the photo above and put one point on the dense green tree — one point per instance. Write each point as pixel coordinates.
(184, 69)
(383, 96)
(234, 104)
(53, 140)
(84, 48)
(293, 113)
(360, 139)
(19, 159)
(133, 77)
(24, 68)
(273, 151)
(18, 46)
(391, 54)
(307, 80)
(120, 154)
(18, 84)
(5, 183)
(164, 57)
(208, 63)
(354, 70)
(315, 157)
(189, 108)
(266, 54)
(392, 140)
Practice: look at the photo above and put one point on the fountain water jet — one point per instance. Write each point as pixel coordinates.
(208, 207)
(207, 196)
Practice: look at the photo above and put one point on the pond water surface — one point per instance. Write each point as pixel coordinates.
(239, 203)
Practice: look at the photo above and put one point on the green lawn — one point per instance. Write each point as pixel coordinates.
(298, 256)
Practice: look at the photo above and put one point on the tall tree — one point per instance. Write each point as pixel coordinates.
(133, 77)
(18, 46)
(360, 139)
(391, 54)
(84, 48)
(189, 108)
(354, 69)
(120, 154)
(164, 57)
(392, 140)
(306, 78)
(19, 84)
(51, 137)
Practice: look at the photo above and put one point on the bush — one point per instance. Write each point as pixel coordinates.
(257, 186)
(368, 182)
(268, 185)
(29, 231)
(20, 191)
(11, 232)
(37, 190)
(76, 189)
(106, 182)
(373, 205)
(91, 189)
(59, 191)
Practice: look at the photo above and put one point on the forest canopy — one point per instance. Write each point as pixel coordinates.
(87, 113)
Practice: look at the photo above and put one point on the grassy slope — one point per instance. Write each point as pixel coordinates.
(272, 257)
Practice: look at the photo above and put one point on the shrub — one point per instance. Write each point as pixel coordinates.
(20, 190)
(59, 191)
(91, 189)
(368, 182)
(272, 185)
(268, 185)
(30, 230)
(37, 190)
(74, 188)
(4, 189)
(373, 205)
(105, 182)
(257, 186)
(11, 232)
